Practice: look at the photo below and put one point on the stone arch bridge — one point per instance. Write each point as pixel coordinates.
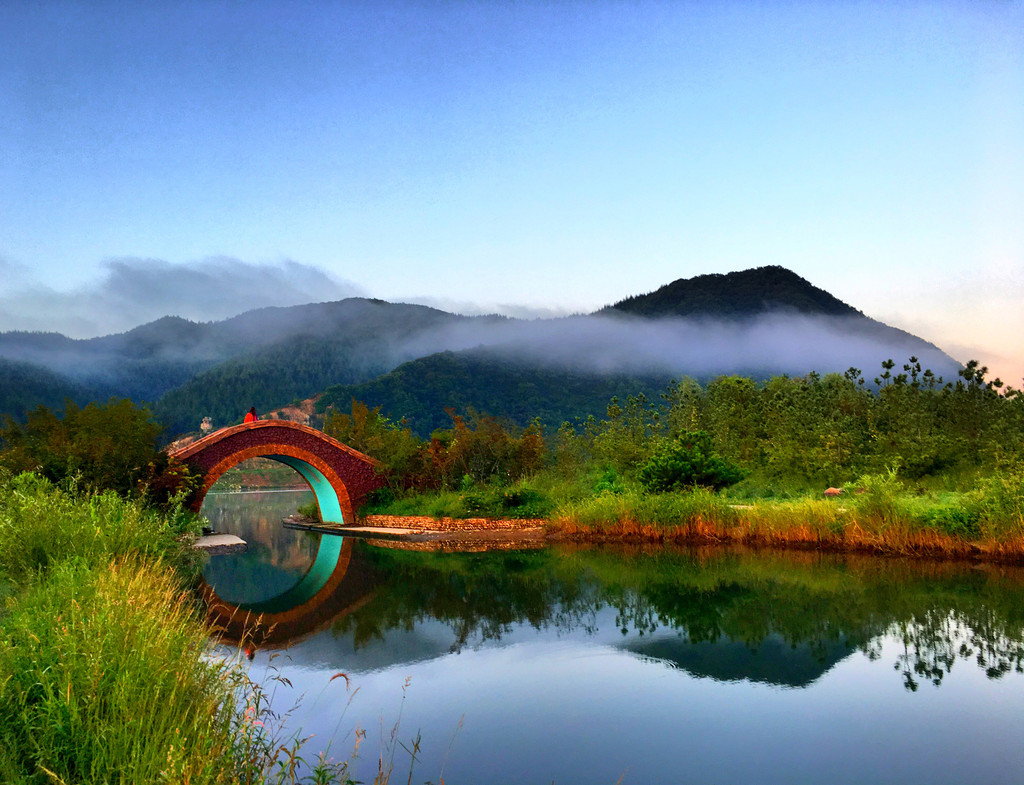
(339, 476)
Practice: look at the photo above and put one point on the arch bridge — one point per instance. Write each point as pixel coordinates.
(339, 476)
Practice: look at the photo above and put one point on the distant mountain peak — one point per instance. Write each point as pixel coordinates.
(735, 295)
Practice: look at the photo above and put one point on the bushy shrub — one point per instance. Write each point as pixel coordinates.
(519, 501)
(959, 516)
(309, 511)
(609, 482)
(105, 446)
(41, 524)
(877, 496)
(525, 503)
(1001, 499)
(685, 463)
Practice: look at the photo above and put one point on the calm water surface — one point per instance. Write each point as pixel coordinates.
(573, 665)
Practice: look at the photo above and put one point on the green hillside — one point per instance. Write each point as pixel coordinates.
(269, 357)
(294, 369)
(315, 346)
(419, 391)
(24, 387)
(154, 358)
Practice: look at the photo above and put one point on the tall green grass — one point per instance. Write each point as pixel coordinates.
(877, 511)
(42, 525)
(106, 680)
(632, 506)
(106, 668)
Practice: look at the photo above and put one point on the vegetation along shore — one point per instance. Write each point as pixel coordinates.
(915, 464)
(107, 669)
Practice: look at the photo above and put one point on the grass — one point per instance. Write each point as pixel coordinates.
(42, 525)
(876, 513)
(90, 647)
(106, 668)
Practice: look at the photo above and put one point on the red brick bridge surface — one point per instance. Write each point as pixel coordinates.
(350, 474)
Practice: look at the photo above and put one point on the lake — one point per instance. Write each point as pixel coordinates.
(636, 665)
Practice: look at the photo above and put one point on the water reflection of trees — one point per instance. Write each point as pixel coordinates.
(942, 613)
(276, 557)
(481, 596)
(935, 640)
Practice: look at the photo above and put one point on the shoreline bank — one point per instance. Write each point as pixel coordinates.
(747, 530)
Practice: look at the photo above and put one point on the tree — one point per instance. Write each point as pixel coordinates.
(685, 463)
(104, 446)
(402, 455)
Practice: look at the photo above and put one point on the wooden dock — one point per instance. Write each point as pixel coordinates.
(352, 530)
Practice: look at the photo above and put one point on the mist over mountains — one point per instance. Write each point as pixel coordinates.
(133, 291)
(757, 323)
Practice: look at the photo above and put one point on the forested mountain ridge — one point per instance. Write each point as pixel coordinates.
(148, 361)
(419, 391)
(756, 322)
(731, 295)
(24, 386)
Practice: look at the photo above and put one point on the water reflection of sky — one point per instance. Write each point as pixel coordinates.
(781, 696)
(541, 706)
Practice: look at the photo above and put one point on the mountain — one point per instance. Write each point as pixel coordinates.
(26, 386)
(756, 322)
(265, 357)
(149, 360)
(734, 295)
(419, 391)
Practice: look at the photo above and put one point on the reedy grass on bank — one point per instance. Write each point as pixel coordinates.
(42, 525)
(106, 681)
(876, 513)
(106, 668)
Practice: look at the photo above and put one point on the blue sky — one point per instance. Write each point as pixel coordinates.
(552, 155)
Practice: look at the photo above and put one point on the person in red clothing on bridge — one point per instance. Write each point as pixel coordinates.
(251, 416)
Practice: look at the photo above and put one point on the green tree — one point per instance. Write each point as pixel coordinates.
(104, 446)
(402, 455)
(685, 403)
(628, 434)
(735, 417)
(482, 447)
(685, 463)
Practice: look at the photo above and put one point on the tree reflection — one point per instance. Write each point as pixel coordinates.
(936, 639)
(800, 613)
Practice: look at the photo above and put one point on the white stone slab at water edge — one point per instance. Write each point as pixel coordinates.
(219, 544)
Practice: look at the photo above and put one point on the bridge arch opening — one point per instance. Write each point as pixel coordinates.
(283, 567)
(328, 488)
(338, 475)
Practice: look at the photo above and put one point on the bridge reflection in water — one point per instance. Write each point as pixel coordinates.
(294, 582)
(337, 582)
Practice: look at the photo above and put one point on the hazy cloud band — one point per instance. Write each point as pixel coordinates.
(134, 291)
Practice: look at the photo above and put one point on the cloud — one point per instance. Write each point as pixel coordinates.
(773, 343)
(134, 291)
(11, 272)
(468, 308)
